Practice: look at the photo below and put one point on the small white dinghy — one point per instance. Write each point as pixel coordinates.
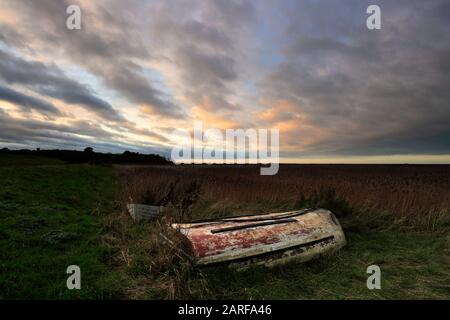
(267, 239)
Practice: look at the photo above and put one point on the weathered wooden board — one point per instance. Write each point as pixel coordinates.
(267, 239)
(144, 212)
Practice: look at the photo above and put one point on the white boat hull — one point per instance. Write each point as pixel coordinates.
(267, 239)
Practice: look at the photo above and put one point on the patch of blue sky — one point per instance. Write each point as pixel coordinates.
(251, 88)
(269, 31)
(9, 49)
(157, 81)
(270, 59)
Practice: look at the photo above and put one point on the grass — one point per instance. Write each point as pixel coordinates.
(52, 216)
(413, 266)
(412, 252)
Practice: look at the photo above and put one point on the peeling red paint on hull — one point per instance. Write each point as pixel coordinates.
(264, 239)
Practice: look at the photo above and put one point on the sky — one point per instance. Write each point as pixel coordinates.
(137, 70)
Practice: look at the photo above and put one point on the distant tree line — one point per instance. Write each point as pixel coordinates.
(90, 156)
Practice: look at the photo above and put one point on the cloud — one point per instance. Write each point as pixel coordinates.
(311, 68)
(49, 80)
(202, 43)
(27, 103)
(136, 88)
(77, 134)
(111, 44)
(370, 93)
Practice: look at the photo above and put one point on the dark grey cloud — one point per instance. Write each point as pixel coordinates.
(206, 69)
(51, 81)
(229, 13)
(204, 45)
(107, 50)
(371, 92)
(136, 88)
(27, 103)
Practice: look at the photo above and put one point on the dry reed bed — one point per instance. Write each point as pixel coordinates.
(419, 194)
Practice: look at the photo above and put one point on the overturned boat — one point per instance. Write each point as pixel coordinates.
(267, 239)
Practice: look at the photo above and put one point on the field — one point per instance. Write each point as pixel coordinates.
(53, 215)
(419, 195)
(50, 219)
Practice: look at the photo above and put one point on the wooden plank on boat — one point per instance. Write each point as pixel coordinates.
(144, 212)
(267, 239)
